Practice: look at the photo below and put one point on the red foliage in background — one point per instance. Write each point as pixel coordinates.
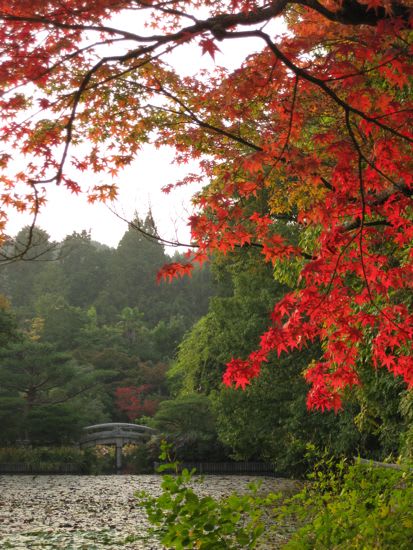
(134, 401)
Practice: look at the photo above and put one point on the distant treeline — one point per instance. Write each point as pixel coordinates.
(86, 332)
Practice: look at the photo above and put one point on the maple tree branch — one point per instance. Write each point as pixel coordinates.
(395, 112)
(132, 68)
(213, 24)
(357, 223)
(28, 245)
(335, 271)
(83, 87)
(218, 26)
(404, 189)
(364, 71)
(298, 71)
(175, 244)
(32, 225)
(207, 125)
(173, 11)
(327, 184)
(378, 200)
(352, 12)
(69, 125)
(363, 210)
(303, 73)
(63, 60)
(45, 21)
(150, 236)
(362, 225)
(290, 123)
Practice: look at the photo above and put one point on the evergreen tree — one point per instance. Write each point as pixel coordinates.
(36, 379)
(136, 262)
(85, 264)
(36, 251)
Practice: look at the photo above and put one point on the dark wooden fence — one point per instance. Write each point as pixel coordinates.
(218, 468)
(228, 468)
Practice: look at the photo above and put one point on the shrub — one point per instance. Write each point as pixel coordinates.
(189, 422)
(136, 459)
(343, 507)
(184, 520)
(352, 507)
(97, 460)
(42, 456)
(34, 455)
(103, 459)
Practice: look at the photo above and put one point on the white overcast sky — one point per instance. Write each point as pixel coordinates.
(140, 184)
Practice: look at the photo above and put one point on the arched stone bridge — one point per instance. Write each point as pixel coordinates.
(115, 433)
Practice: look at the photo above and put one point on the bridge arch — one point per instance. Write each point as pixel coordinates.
(115, 433)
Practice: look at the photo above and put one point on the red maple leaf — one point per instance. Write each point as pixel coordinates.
(174, 269)
(209, 46)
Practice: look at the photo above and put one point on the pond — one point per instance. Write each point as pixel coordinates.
(94, 512)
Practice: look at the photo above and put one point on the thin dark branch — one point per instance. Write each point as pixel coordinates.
(150, 236)
(363, 71)
(28, 245)
(206, 125)
(362, 224)
(63, 60)
(327, 184)
(352, 12)
(357, 223)
(290, 123)
(57, 401)
(298, 71)
(46, 22)
(218, 26)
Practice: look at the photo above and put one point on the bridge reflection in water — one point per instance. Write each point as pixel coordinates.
(115, 433)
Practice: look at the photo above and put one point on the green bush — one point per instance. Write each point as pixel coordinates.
(34, 455)
(97, 460)
(343, 507)
(184, 520)
(136, 460)
(352, 507)
(189, 422)
(102, 459)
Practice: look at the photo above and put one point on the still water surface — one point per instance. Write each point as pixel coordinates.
(93, 512)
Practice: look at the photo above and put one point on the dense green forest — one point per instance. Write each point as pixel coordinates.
(87, 336)
(270, 420)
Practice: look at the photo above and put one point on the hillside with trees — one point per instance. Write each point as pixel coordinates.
(87, 333)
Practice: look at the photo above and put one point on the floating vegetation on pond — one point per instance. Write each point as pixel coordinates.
(90, 512)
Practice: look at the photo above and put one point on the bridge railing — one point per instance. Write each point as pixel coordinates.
(115, 433)
(118, 426)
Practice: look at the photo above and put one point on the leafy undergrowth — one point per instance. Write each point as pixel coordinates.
(184, 520)
(77, 540)
(343, 507)
(352, 507)
(42, 458)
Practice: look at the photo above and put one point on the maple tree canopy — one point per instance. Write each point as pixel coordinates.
(315, 130)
